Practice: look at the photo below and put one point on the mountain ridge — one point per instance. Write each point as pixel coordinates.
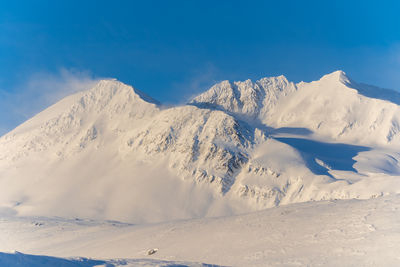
(237, 147)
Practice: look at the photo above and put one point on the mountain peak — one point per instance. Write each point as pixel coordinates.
(245, 97)
(276, 78)
(336, 76)
(112, 87)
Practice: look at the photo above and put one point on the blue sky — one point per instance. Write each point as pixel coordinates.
(172, 50)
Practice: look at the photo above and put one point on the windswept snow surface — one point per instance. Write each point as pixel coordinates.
(321, 233)
(113, 153)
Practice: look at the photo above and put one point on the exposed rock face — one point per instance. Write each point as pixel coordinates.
(252, 99)
(203, 144)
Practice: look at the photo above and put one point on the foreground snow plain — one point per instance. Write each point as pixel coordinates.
(321, 233)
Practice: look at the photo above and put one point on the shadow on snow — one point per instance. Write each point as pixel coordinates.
(334, 156)
(23, 260)
(18, 259)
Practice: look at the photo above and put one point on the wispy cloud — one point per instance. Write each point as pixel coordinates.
(199, 81)
(37, 92)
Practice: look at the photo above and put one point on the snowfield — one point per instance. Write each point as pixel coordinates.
(264, 172)
(321, 233)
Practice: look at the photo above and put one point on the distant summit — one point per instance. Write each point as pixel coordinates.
(338, 75)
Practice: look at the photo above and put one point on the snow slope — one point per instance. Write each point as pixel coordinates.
(323, 233)
(112, 152)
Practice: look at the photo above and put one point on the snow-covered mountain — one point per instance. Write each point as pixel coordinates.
(112, 152)
(332, 107)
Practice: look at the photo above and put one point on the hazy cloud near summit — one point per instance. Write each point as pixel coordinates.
(199, 81)
(37, 92)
